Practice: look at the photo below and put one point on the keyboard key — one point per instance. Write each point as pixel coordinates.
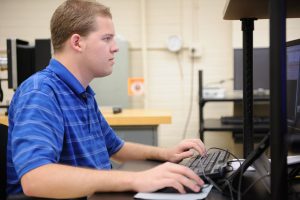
(210, 163)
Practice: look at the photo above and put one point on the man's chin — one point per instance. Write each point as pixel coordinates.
(103, 74)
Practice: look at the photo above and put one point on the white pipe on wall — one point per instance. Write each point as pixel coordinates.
(144, 51)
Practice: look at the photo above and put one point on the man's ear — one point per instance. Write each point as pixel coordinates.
(76, 42)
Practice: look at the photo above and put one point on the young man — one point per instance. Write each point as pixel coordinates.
(59, 143)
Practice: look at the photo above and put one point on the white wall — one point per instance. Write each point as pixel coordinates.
(200, 24)
(261, 32)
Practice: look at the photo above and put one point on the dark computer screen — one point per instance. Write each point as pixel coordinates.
(260, 69)
(23, 59)
(293, 85)
(42, 53)
(19, 53)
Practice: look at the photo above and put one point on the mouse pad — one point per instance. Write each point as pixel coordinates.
(175, 196)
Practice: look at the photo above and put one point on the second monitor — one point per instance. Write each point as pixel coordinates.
(24, 60)
(260, 69)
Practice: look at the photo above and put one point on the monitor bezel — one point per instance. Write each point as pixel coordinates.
(292, 122)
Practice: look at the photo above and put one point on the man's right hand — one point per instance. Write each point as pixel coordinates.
(167, 175)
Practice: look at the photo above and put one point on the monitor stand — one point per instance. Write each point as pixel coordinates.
(253, 156)
(258, 160)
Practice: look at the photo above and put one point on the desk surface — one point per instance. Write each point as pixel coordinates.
(238, 9)
(129, 117)
(139, 166)
(257, 192)
(136, 117)
(3, 120)
(214, 195)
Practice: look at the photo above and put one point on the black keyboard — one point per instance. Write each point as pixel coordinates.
(240, 120)
(212, 164)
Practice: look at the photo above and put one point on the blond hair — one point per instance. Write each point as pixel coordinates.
(75, 16)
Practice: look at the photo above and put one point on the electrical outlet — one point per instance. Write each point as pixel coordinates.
(195, 52)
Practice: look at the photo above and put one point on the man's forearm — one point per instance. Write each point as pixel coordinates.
(60, 181)
(185, 149)
(135, 151)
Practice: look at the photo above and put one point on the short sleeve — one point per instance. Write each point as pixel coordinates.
(38, 132)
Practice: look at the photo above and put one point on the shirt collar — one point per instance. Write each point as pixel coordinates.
(64, 74)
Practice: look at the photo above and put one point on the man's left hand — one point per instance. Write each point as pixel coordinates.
(184, 150)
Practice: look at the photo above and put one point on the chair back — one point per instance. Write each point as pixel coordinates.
(3, 145)
(3, 177)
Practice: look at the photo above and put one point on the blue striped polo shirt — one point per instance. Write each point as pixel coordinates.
(54, 119)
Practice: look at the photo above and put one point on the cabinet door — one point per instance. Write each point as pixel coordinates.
(139, 134)
(112, 90)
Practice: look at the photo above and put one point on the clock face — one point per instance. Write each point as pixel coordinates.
(174, 43)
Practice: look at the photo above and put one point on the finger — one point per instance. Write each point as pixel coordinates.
(187, 172)
(175, 184)
(184, 155)
(201, 145)
(170, 181)
(189, 183)
(195, 145)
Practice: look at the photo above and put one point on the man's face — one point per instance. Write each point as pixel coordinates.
(99, 49)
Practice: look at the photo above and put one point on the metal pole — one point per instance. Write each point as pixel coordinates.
(279, 184)
(247, 28)
(201, 105)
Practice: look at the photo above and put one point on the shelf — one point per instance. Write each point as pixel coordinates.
(216, 125)
(236, 96)
(235, 99)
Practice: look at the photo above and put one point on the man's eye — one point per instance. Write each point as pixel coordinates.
(107, 39)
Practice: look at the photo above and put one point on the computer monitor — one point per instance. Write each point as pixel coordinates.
(24, 60)
(293, 86)
(260, 69)
(257, 158)
(42, 53)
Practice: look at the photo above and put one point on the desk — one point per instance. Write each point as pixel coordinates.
(136, 125)
(3, 120)
(258, 190)
(136, 117)
(129, 196)
(214, 195)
